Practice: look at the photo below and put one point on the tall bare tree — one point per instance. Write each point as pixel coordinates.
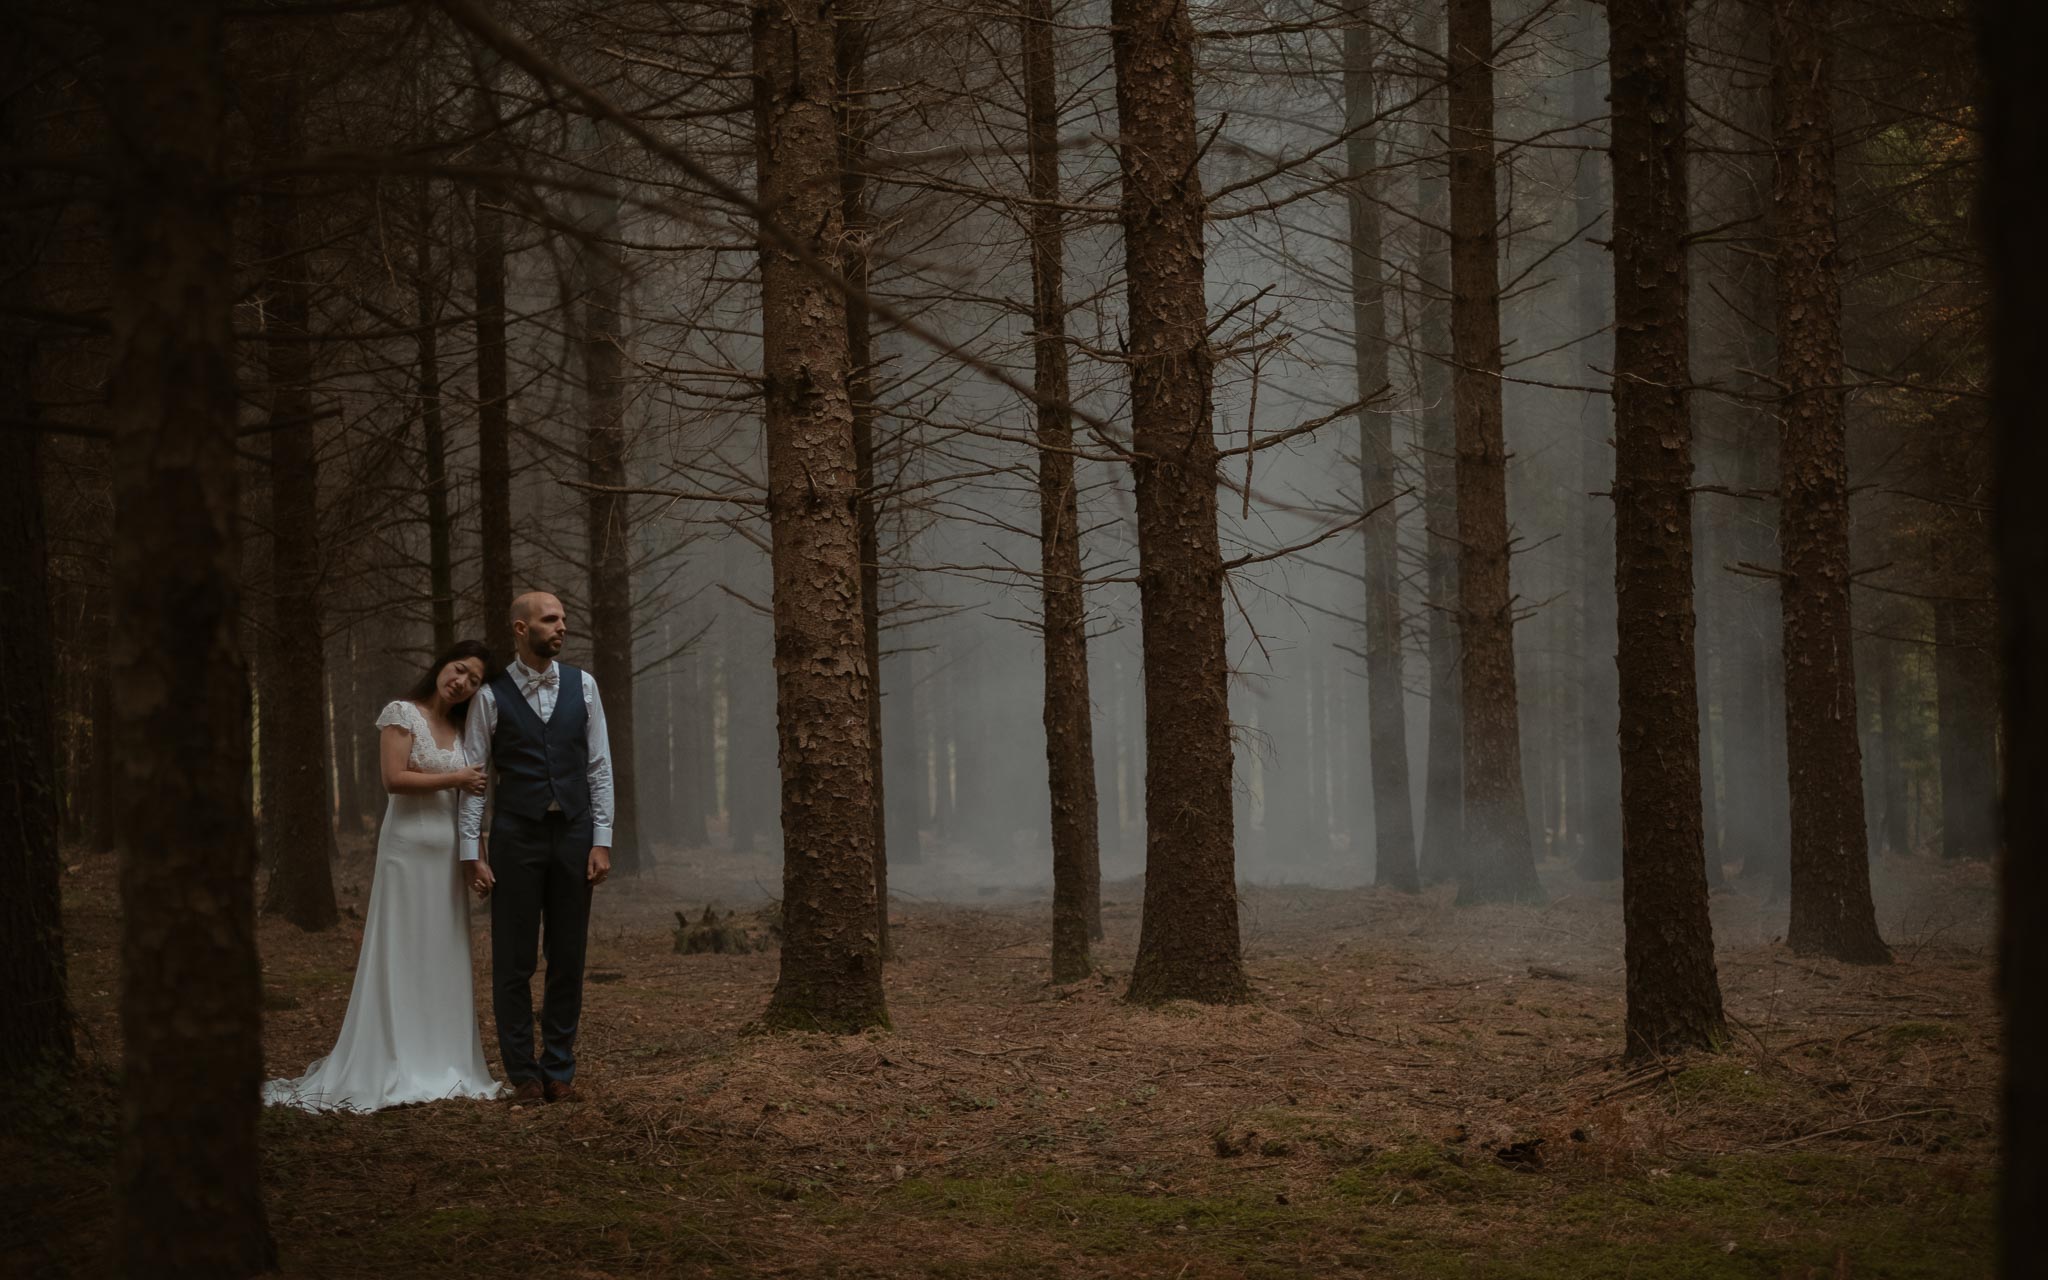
(1832, 913)
(1069, 742)
(1674, 998)
(1188, 944)
(831, 972)
(2013, 41)
(36, 1020)
(1443, 807)
(493, 394)
(1386, 691)
(187, 1186)
(1499, 861)
(297, 801)
(608, 519)
(855, 31)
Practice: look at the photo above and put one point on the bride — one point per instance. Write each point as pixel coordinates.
(410, 1034)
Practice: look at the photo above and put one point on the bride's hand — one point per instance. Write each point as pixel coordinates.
(468, 778)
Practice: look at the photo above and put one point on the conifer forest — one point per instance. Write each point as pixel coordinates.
(1046, 638)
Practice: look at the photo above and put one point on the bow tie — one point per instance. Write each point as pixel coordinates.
(545, 680)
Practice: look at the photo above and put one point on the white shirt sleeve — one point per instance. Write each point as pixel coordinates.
(600, 771)
(476, 748)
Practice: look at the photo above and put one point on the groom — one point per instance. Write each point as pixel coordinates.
(541, 723)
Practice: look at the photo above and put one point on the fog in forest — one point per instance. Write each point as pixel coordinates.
(961, 668)
(962, 677)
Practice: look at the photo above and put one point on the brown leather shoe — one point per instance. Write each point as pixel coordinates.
(561, 1091)
(527, 1091)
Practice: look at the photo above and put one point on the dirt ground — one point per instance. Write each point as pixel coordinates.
(1415, 1091)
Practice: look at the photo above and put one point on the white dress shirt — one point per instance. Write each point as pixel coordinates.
(541, 689)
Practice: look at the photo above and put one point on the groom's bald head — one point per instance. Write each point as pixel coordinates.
(539, 626)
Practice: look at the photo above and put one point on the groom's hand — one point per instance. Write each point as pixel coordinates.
(478, 873)
(600, 863)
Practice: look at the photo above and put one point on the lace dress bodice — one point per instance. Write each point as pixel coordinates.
(427, 756)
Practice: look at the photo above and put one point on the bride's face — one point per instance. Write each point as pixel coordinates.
(459, 680)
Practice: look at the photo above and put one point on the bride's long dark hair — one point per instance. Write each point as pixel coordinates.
(422, 690)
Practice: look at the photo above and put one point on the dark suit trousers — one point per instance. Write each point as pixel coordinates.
(541, 903)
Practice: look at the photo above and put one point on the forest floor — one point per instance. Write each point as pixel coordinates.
(1415, 1091)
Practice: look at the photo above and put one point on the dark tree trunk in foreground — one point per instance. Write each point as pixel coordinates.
(297, 802)
(493, 398)
(609, 523)
(852, 56)
(35, 1016)
(1966, 700)
(831, 974)
(1499, 862)
(2013, 36)
(1443, 806)
(1188, 945)
(1831, 908)
(189, 1198)
(1674, 1000)
(1393, 814)
(1069, 742)
(36, 1022)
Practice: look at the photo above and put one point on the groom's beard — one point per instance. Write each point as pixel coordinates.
(545, 649)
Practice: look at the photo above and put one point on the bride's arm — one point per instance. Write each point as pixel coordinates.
(394, 748)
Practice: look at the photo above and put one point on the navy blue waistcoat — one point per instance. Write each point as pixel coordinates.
(542, 763)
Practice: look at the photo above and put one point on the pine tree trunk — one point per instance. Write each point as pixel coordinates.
(35, 1015)
(1499, 864)
(2013, 35)
(609, 528)
(493, 397)
(1674, 999)
(1831, 906)
(1966, 709)
(1188, 944)
(1891, 726)
(1600, 729)
(187, 1186)
(297, 803)
(1069, 730)
(831, 972)
(1386, 691)
(690, 734)
(851, 55)
(1443, 807)
(440, 568)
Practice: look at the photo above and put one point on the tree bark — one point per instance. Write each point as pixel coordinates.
(2012, 36)
(608, 527)
(1069, 729)
(440, 568)
(1674, 999)
(1188, 944)
(851, 55)
(1393, 815)
(1831, 906)
(1966, 710)
(35, 1015)
(1600, 698)
(1499, 863)
(1443, 807)
(493, 397)
(831, 972)
(297, 798)
(188, 1192)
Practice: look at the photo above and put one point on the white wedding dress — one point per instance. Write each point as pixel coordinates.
(411, 1030)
